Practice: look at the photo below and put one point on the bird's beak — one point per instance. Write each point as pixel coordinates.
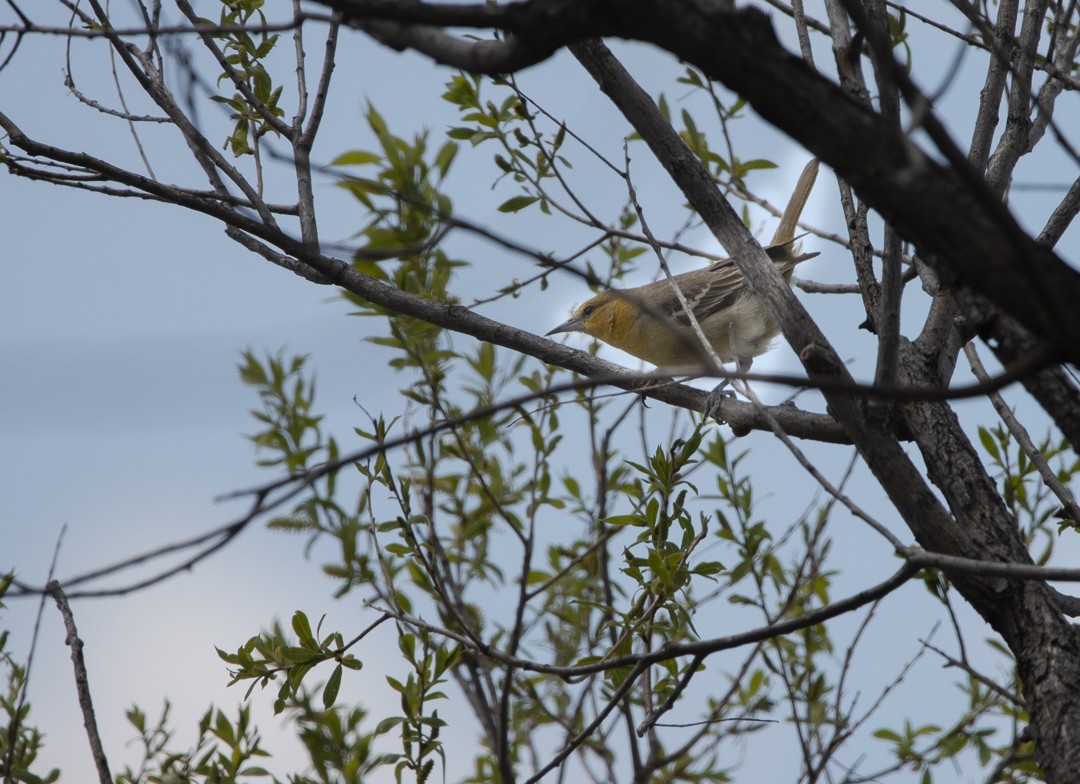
(571, 325)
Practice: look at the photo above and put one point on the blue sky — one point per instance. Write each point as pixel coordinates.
(123, 417)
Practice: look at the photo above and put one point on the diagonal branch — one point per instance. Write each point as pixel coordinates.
(948, 212)
(82, 683)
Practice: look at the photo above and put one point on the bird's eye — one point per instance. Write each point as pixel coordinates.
(588, 310)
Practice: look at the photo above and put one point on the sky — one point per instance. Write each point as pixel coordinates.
(123, 419)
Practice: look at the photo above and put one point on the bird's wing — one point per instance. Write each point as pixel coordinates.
(713, 288)
(721, 285)
(706, 291)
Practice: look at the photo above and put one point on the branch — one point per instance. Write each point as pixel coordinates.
(82, 683)
(949, 213)
(1020, 433)
(1055, 388)
(1014, 699)
(697, 649)
(158, 31)
(491, 57)
(20, 712)
(215, 205)
(924, 559)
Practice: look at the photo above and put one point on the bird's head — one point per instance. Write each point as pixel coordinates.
(595, 317)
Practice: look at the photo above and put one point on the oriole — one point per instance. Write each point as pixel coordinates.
(649, 322)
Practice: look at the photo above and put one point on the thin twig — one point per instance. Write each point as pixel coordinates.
(1015, 699)
(1023, 438)
(82, 682)
(13, 728)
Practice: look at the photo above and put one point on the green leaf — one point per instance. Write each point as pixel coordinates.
(517, 203)
(356, 158)
(445, 158)
(708, 568)
(889, 735)
(988, 444)
(630, 519)
(386, 725)
(759, 163)
(462, 134)
(302, 627)
(330, 690)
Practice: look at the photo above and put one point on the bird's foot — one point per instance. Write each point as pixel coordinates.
(715, 401)
(713, 404)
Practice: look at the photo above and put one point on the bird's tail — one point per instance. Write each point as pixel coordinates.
(785, 232)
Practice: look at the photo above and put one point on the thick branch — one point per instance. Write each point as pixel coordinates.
(950, 216)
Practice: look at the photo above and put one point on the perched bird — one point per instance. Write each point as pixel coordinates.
(649, 322)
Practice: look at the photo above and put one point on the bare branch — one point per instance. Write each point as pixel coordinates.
(1020, 433)
(82, 683)
(1030, 282)
(698, 648)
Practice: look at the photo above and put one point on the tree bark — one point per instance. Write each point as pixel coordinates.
(957, 223)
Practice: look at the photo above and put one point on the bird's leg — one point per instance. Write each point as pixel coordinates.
(716, 397)
(721, 391)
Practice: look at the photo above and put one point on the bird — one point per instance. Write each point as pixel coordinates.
(649, 322)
